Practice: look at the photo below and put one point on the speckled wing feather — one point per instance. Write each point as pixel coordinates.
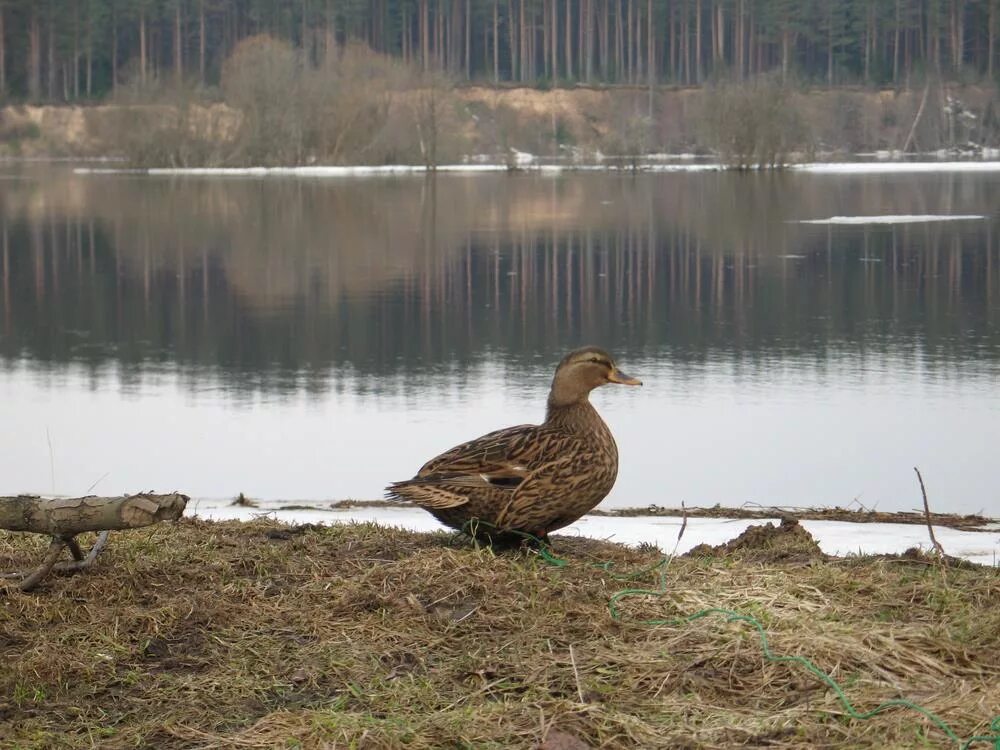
(527, 508)
(501, 451)
(498, 462)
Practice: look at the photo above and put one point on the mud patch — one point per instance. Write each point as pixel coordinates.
(787, 543)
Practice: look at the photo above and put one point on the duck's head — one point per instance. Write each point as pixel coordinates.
(583, 370)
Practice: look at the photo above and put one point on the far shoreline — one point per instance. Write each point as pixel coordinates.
(680, 163)
(962, 521)
(838, 531)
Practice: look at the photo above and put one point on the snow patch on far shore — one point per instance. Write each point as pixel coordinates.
(897, 167)
(522, 163)
(531, 162)
(891, 219)
(358, 171)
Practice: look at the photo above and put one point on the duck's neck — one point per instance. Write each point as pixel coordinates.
(576, 416)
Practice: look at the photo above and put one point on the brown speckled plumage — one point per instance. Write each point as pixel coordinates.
(530, 479)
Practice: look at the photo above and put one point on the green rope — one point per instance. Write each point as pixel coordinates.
(660, 567)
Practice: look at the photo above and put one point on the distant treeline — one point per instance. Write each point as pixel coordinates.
(66, 50)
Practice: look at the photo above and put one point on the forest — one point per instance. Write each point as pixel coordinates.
(75, 50)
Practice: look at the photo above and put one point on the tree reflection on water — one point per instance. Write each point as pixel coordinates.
(263, 281)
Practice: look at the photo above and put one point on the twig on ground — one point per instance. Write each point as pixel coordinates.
(31, 578)
(927, 514)
(576, 673)
(74, 548)
(84, 562)
(680, 535)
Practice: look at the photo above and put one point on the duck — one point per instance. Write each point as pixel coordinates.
(524, 482)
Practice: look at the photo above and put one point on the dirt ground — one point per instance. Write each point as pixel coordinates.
(260, 635)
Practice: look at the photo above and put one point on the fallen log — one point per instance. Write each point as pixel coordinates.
(61, 516)
(64, 518)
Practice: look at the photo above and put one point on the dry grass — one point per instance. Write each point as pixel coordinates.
(261, 635)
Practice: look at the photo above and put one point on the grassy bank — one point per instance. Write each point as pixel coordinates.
(261, 635)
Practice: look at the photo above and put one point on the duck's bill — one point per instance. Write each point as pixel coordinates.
(617, 376)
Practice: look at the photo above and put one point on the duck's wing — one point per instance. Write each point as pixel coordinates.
(499, 460)
(530, 507)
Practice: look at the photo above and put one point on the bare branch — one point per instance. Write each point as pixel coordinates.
(927, 514)
(35, 577)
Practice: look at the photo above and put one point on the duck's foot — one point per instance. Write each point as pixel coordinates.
(511, 540)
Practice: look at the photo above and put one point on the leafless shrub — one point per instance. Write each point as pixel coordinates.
(347, 106)
(499, 128)
(438, 118)
(178, 133)
(506, 124)
(359, 106)
(989, 128)
(262, 79)
(158, 121)
(752, 124)
(631, 134)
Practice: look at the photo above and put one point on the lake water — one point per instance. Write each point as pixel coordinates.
(317, 338)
